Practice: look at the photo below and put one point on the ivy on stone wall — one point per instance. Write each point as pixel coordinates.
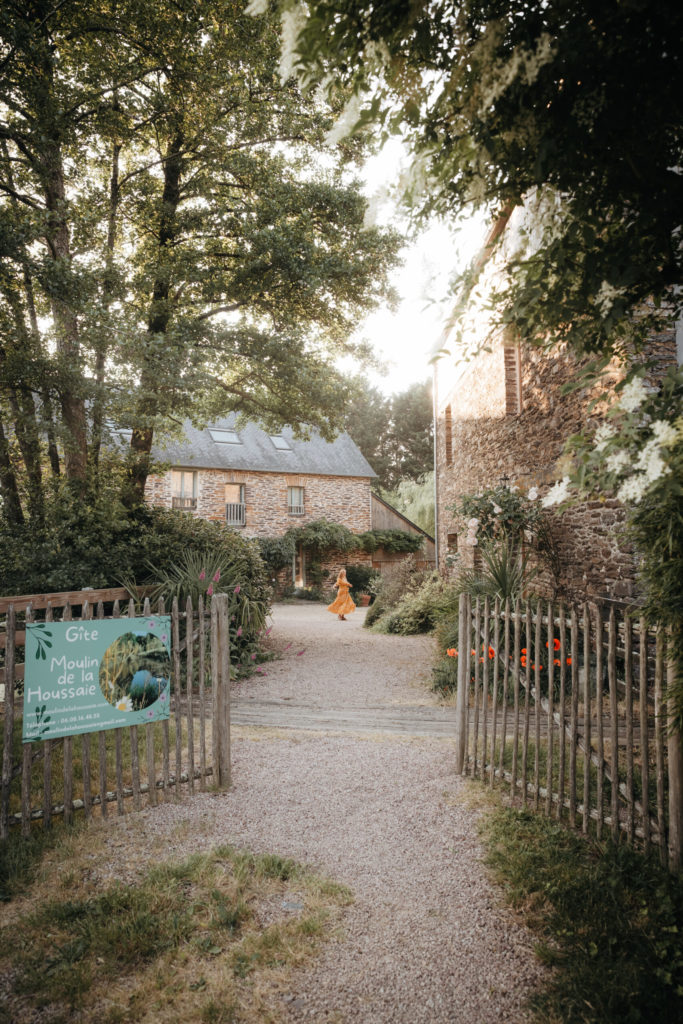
(322, 536)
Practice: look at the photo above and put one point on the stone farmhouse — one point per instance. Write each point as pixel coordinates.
(501, 418)
(263, 484)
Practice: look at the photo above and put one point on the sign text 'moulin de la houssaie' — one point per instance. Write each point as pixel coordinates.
(95, 674)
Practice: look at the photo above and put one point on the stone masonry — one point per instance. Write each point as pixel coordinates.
(340, 499)
(487, 442)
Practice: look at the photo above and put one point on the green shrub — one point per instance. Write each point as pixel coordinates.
(106, 545)
(419, 609)
(276, 552)
(610, 921)
(360, 577)
(505, 573)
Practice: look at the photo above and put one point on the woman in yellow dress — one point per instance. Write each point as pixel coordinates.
(342, 604)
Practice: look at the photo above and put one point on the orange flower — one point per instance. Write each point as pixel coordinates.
(523, 650)
(452, 653)
(473, 652)
(523, 660)
(481, 659)
(569, 661)
(556, 661)
(492, 653)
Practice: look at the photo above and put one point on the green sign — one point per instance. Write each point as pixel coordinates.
(95, 674)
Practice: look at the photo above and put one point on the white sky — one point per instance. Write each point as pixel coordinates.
(404, 339)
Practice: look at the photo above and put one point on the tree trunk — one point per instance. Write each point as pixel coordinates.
(108, 289)
(157, 323)
(8, 485)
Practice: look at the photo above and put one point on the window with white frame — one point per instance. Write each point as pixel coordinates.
(295, 501)
(221, 436)
(183, 488)
(235, 507)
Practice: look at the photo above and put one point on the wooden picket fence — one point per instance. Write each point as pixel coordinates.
(566, 709)
(77, 778)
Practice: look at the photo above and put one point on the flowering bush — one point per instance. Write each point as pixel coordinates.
(496, 514)
(636, 455)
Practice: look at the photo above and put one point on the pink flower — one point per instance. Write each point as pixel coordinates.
(217, 576)
(163, 638)
(150, 625)
(253, 657)
(268, 630)
(239, 632)
(287, 647)
(299, 653)
(237, 589)
(202, 575)
(209, 589)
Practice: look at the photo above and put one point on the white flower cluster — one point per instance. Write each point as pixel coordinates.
(533, 494)
(604, 300)
(257, 7)
(648, 464)
(633, 395)
(603, 435)
(292, 21)
(472, 527)
(617, 462)
(558, 493)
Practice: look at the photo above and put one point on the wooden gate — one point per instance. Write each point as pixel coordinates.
(567, 708)
(85, 773)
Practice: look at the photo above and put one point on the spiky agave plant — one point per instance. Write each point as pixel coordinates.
(505, 573)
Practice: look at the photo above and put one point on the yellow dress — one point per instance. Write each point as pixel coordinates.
(342, 604)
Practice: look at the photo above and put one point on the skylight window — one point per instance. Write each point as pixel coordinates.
(280, 443)
(224, 436)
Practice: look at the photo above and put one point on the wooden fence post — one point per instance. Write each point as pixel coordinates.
(221, 685)
(463, 682)
(675, 759)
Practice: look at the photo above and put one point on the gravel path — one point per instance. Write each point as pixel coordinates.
(428, 939)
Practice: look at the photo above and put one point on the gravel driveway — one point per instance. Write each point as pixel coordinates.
(428, 939)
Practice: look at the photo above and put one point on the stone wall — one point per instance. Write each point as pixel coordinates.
(488, 443)
(341, 499)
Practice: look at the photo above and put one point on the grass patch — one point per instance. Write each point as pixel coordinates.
(610, 921)
(206, 939)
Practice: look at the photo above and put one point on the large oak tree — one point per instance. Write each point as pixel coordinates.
(176, 238)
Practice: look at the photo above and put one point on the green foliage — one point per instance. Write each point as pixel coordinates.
(504, 574)
(394, 434)
(408, 600)
(415, 499)
(97, 545)
(277, 552)
(393, 541)
(322, 536)
(501, 513)
(636, 455)
(611, 921)
(360, 577)
(138, 208)
(500, 100)
(418, 610)
(75, 951)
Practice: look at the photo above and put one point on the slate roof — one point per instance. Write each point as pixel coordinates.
(257, 452)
